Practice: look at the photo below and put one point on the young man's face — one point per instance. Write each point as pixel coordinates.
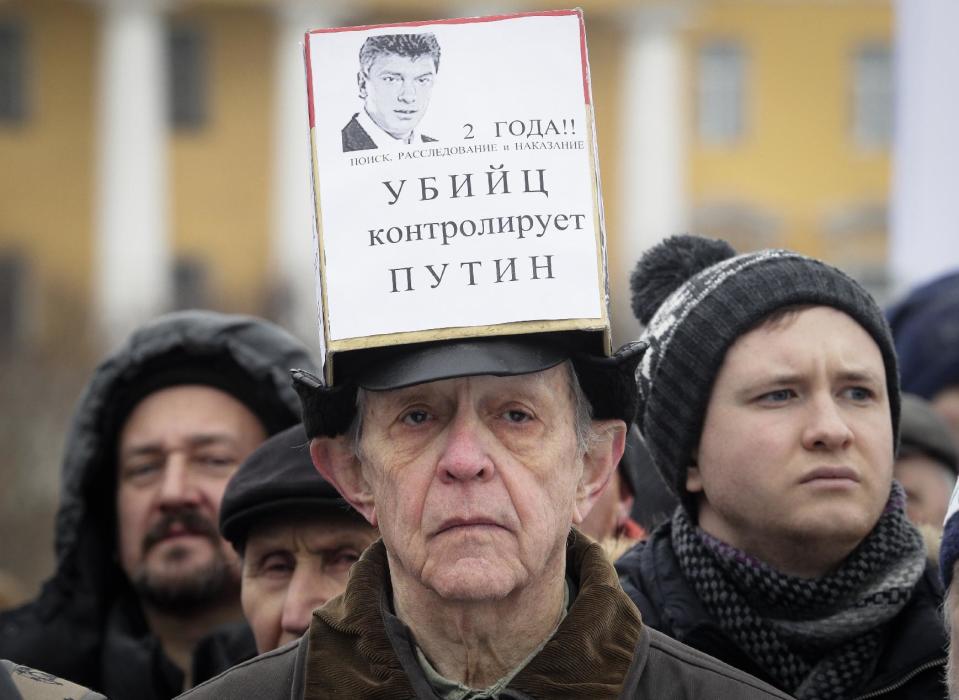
(397, 92)
(293, 566)
(177, 450)
(797, 440)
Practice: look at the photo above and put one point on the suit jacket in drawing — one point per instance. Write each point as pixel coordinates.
(355, 137)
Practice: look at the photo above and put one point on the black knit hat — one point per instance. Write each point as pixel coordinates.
(277, 479)
(696, 297)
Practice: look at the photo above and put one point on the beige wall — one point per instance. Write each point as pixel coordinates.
(798, 157)
(46, 192)
(221, 173)
(797, 160)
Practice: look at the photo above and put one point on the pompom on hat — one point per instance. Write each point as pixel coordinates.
(696, 297)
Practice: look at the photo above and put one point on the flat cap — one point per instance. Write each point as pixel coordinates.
(278, 478)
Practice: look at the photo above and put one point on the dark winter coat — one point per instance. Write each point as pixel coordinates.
(357, 648)
(86, 625)
(909, 668)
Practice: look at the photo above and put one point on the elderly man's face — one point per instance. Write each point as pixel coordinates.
(397, 91)
(293, 566)
(474, 480)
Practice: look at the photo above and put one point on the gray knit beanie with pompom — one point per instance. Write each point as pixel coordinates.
(695, 297)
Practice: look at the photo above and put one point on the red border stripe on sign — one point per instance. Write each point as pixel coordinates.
(584, 60)
(454, 20)
(309, 79)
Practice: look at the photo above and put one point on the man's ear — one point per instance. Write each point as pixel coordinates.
(336, 461)
(600, 461)
(361, 84)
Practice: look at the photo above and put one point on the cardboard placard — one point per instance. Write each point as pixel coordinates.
(455, 180)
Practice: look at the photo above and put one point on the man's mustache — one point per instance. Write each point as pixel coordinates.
(190, 519)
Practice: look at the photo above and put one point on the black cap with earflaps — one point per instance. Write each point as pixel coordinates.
(608, 382)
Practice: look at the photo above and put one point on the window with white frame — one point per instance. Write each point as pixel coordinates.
(190, 283)
(872, 118)
(188, 76)
(13, 66)
(13, 300)
(721, 92)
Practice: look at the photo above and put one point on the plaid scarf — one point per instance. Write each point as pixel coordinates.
(816, 638)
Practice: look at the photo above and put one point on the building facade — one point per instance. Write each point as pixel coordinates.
(155, 153)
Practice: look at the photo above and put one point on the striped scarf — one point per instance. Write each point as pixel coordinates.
(816, 638)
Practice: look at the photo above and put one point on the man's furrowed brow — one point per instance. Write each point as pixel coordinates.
(193, 441)
(534, 386)
(207, 439)
(394, 398)
(778, 378)
(863, 376)
(149, 448)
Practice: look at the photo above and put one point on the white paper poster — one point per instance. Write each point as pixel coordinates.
(454, 168)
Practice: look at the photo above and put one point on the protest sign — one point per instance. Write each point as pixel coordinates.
(455, 181)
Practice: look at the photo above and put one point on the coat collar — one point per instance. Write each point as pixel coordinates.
(373, 649)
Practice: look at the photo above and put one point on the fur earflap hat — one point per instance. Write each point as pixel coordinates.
(695, 297)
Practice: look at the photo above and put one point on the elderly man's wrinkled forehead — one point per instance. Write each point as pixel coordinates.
(556, 389)
(546, 385)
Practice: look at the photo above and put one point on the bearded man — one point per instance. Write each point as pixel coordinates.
(143, 576)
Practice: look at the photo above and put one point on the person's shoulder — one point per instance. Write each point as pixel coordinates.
(657, 544)
(671, 664)
(222, 649)
(269, 675)
(31, 635)
(649, 574)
